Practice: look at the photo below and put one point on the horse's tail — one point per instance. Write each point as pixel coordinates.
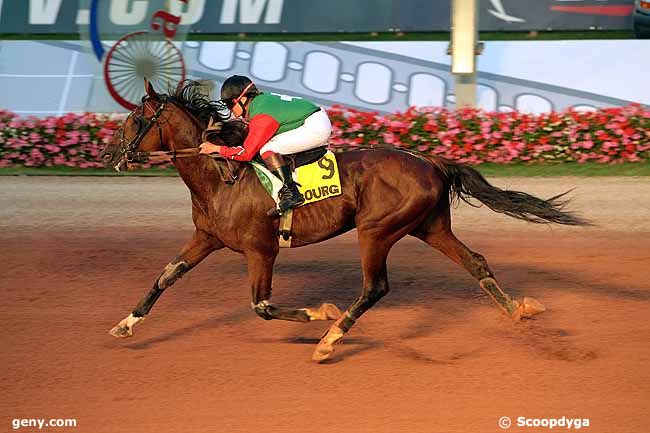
(464, 181)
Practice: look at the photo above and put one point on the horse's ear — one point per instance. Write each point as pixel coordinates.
(148, 87)
(213, 128)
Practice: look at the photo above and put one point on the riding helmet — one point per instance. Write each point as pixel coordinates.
(235, 85)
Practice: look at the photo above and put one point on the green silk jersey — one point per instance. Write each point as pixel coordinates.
(290, 113)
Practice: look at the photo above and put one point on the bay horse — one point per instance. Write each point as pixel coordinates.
(387, 194)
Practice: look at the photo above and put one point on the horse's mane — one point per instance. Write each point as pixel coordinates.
(233, 133)
(190, 95)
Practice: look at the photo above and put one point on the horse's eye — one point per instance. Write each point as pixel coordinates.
(139, 123)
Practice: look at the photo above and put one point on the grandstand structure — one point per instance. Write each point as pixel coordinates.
(329, 73)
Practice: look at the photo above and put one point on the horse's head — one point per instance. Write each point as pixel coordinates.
(140, 133)
(187, 110)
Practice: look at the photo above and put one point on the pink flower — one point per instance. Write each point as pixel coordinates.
(51, 148)
(389, 138)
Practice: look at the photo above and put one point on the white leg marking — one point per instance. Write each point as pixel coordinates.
(125, 327)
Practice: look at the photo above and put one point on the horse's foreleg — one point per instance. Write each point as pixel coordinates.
(198, 248)
(260, 271)
(375, 287)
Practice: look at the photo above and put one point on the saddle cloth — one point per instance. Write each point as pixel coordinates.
(316, 181)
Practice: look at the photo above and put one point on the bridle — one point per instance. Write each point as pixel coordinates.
(129, 151)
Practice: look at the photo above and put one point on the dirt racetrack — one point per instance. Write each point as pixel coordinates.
(434, 355)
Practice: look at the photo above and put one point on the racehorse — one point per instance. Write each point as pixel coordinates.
(387, 194)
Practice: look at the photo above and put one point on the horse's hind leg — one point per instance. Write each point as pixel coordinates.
(439, 235)
(260, 271)
(198, 248)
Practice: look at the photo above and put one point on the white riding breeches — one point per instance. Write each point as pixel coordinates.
(313, 133)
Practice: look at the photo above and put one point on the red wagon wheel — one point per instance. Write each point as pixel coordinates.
(136, 56)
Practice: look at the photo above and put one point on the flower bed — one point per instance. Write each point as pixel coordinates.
(72, 140)
(608, 135)
(474, 136)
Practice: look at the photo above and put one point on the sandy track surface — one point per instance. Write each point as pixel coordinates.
(434, 356)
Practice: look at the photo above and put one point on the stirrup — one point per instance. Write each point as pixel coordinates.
(277, 211)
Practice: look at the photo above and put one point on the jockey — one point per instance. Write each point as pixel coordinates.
(276, 126)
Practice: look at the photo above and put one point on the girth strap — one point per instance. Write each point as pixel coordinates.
(284, 232)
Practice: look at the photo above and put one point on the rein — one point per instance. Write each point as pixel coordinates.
(173, 155)
(228, 175)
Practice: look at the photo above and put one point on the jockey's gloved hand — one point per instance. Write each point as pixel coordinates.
(207, 148)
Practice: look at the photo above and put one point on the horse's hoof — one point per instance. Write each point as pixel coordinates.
(124, 329)
(120, 331)
(329, 311)
(325, 348)
(532, 307)
(322, 353)
(526, 308)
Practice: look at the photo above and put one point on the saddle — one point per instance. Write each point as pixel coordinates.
(299, 159)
